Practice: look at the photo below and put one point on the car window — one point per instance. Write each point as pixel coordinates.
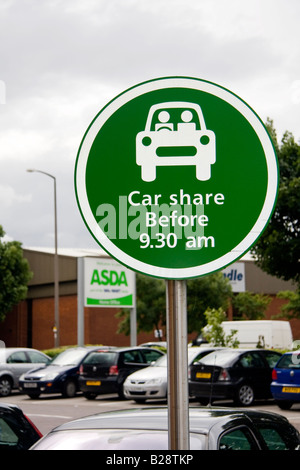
(151, 355)
(289, 361)
(18, 357)
(199, 356)
(220, 358)
(37, 358)
(171, 118)
(271, 357)
(251, 360)
(69, 357)
(238, 439)
(276, 439)
(101, 357)
(133, 356)
(8, 438)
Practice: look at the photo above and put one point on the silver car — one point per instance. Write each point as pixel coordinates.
(14, 362)
(151, 383)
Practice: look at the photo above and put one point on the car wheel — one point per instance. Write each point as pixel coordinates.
(148, 172)
(70, 389)
(5, 386)
(33, 395)
(245, 395)
(284, 404)
(121, 392)
(90, 395)
(203, 172)
(203, 401)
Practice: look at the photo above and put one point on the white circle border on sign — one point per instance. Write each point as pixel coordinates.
(158, 84)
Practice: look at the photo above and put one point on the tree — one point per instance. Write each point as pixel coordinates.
(213, 331)
(250, 306)
(14, 275)
(212, 291)
(151, 306)
(209, 291)
(292, 308)
(277, 251)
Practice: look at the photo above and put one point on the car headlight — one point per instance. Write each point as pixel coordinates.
(50, 376)
(156, 381)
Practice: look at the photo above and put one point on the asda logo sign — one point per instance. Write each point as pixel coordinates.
(107, 283)
(112, 278)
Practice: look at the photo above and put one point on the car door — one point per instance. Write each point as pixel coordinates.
(254, 371)
(37, 359)
(18, 363)
(129, 362)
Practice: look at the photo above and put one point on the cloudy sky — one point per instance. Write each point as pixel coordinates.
(61, 61)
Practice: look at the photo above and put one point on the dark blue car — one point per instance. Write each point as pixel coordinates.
(60, 376)
(285, 386)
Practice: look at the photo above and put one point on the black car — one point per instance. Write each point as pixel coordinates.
(17, 432)
(105, 371)
(238, 374)
(60, 376)
(147, 429)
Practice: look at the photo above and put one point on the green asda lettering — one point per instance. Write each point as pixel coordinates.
(106, 277)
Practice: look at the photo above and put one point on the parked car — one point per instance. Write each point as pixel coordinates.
(59, 376)
(17, 432)
(238, 374)
(152, 382)
(106, 371)
(285, 386)
(14, 362)
(210, 429)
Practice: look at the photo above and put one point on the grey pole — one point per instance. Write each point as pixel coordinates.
(56, 267)
(178, 397)
(80, 301)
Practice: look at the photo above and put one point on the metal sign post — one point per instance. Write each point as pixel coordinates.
(178, 397)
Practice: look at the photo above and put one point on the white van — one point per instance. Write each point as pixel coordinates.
(265, 333)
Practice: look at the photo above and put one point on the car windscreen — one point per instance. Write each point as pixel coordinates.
(175, 117)
(105, 358)
(219, 358)
(69, 357)
(161, 362)
(289, 361)
(113, 439)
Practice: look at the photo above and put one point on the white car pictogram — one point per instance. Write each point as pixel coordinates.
(175, 135)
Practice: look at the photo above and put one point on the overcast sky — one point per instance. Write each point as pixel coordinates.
(61, 61)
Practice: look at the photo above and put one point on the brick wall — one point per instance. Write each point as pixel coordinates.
(100, 324)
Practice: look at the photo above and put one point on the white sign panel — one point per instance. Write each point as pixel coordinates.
(236, 275)
(108, 284)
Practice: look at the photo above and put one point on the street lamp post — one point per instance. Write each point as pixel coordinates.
(56, 270)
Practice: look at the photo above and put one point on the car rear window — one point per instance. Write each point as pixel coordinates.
(289, 361)
(106, 358)
(219, 358)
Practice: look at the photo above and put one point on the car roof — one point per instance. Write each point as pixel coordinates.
(200, 419)
(5, 351)
(124, 348)
(9, 406)
(10, 349)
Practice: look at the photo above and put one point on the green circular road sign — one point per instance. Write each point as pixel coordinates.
(176, 177)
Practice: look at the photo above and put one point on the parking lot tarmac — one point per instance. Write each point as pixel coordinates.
(50, 411)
